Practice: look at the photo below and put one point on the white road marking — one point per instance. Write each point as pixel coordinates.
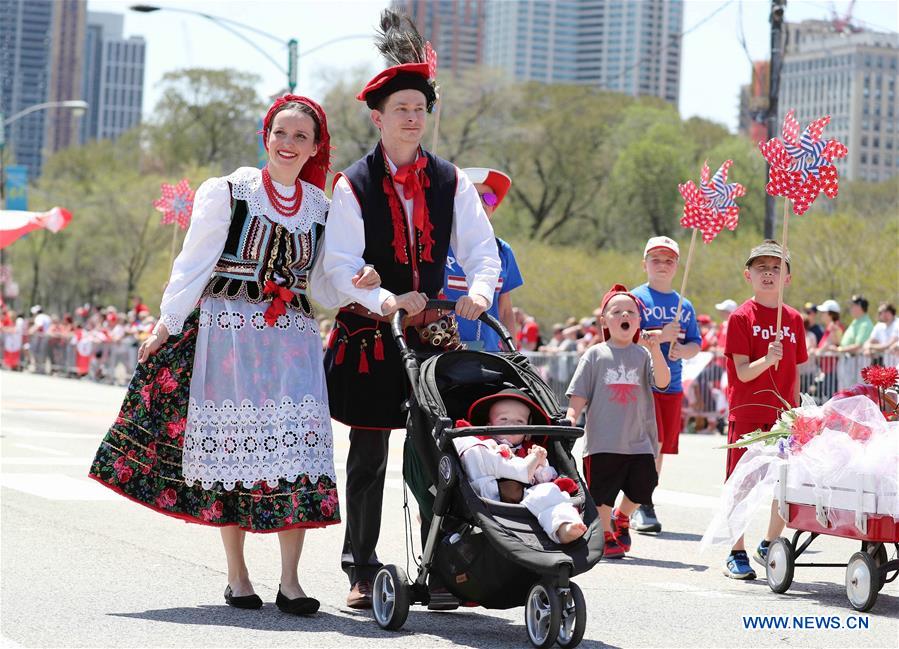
(40, 449)
(56, 486)
(47, 461)
(25, 432)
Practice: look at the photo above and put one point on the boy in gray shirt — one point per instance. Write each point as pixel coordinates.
(614, 381)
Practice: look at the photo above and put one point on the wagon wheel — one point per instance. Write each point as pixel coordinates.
(573, 622)
(779, 565)
(879, 552)
(391, 597)
(542, 615)
(862, 581)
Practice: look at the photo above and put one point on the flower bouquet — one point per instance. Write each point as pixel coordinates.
(792, 430)
(829, 451)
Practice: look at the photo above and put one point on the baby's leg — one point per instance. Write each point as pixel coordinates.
(554, 511)
(568, 532)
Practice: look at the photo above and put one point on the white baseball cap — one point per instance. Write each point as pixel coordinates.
(728, 305)
(831, 306)
(661, 243)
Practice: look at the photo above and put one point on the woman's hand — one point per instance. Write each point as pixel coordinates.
(152, 344)
(367, 278)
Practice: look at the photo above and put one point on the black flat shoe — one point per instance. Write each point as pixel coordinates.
(298, 606)
(245, 601)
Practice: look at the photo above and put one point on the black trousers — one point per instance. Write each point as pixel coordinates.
(366, 467)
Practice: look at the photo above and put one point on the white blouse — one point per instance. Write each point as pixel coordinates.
(208, 231)
(471, 238)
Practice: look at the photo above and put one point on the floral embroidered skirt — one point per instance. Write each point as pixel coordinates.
(227, 424)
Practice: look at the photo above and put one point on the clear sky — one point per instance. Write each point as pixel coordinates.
(713, 68)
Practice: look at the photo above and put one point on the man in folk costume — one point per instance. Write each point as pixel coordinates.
(398, 209)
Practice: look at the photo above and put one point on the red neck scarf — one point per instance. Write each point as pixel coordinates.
(414, 181)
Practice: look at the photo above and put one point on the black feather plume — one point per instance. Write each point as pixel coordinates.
(398, 39)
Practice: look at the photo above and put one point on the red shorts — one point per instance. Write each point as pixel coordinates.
(735, 430)
(668, 419)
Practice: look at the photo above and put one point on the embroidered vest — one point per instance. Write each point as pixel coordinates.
(366, 177)
(258, 249)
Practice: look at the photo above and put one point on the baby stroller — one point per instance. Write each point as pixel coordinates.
(486, 553)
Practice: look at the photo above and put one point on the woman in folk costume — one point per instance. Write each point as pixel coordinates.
(398, 209)
(226, 420)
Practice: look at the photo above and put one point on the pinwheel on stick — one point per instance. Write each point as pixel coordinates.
(801, 167)
(176, 204)
(708, 208)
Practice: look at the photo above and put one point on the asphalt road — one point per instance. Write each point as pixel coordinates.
(83, 567)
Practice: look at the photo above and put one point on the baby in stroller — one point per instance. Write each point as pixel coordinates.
(508, 467)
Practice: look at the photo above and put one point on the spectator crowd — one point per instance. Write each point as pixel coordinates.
(839, 347)
(101, 343)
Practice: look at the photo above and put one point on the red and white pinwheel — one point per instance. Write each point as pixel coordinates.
(176, 203)
(712, 205)
(802, 165)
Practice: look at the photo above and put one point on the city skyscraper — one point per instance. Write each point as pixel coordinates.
(619, 45)
(66, 50)
(113, 79)
(454, 27)
(850, 75)
(25, 30)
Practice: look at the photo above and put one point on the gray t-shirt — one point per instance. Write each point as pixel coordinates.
(617, 384)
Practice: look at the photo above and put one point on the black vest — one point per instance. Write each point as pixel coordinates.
(366, 176)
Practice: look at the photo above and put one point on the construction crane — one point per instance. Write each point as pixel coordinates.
(844, 24)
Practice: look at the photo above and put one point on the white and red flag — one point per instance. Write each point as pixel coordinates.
(15, 224)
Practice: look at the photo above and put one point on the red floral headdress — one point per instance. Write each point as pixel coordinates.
(316, 169)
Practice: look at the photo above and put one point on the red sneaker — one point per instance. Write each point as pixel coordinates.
(622, 526)
(613, 549)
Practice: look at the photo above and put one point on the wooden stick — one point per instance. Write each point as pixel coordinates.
(683, 287)
(174, 241)
(436, 127)
(783, 271)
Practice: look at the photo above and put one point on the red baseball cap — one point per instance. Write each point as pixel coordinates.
(619, 289)
(493, 178)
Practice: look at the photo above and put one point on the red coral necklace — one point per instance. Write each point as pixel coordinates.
(284, 205)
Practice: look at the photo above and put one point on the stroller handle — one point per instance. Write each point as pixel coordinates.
(396, 325)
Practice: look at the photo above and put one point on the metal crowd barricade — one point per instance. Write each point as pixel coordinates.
(111, 362)
(556, 369)
(821, 377)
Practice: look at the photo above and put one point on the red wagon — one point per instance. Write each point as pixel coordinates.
(851, 509)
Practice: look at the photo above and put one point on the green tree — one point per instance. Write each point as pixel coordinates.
(644, 180)
(349, 122)
(206, 117)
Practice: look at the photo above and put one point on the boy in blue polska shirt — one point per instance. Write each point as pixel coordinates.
(660, 257)
(492, 185)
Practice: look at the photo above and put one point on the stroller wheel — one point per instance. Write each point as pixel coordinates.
(862, 581)
(390, 597)
(573, 620)
(542, 615)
